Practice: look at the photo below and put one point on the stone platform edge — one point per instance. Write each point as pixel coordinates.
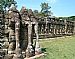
(36, 56)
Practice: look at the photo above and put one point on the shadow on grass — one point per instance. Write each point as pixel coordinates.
(43, 50)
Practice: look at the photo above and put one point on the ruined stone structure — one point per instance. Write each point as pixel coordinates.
(52, 27)
(19, 28)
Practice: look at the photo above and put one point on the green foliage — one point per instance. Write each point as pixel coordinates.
(71, 18)
(45, 9)
(63, 18)
(59, 48)
(36, 12)
(6, 3)
(1, 3)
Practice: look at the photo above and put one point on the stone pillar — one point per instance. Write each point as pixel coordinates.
(11, 32)
(17, 28)
(65, 26)
(46, 25)
(37, 46)
(55, 29)
(73, 27)
(50, 29)
(45, 28)
(42, 28)
(39, 29)
(61, 29)
(11, 41)
(29, 50)
(18, 54)
(16, 20)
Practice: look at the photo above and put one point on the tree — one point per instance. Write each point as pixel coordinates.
(45, 9)
(72, 18)
(6, 3)
(36, 12)
(1, 4)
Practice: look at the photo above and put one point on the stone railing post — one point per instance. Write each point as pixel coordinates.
(65, 26)
(29, 50)
(16, 21)
(55, 29)
(18, 54)
(37, 45)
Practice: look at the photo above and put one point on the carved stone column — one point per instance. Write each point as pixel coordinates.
(29, 50)
(55, 29)
(11, 41)
(17, 28)
(65, 26)
(11, 32)
(73, 27)
(61, 29)
(42, 29)
(16, 20)
(50, 29)
(39, 29)
(37, 46)
(46, 25)
(18, 54)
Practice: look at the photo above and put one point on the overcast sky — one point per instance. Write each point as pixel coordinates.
(58, 7)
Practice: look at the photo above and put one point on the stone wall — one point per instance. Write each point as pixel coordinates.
(52, 27)
(1, 28)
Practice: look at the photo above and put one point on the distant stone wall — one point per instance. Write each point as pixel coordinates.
(52, 27)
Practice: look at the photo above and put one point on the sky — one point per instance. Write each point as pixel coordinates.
(59, 8)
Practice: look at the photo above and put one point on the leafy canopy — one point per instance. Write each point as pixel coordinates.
(6, 3)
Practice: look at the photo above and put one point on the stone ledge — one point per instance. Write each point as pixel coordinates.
(36, 56)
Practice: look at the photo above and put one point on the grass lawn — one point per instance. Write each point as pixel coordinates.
(59, 48)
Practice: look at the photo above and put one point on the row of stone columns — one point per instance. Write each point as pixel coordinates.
(30, 50)
(18, 54)
(55, 28)
(29, 19)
